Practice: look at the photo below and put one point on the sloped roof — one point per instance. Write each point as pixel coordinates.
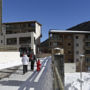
(45, 43)
(85, 26)
(23, 22)
(68, 31)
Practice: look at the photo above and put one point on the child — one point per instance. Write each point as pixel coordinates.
(38, 65)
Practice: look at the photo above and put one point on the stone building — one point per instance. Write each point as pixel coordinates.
(74, 43)
(21, 34)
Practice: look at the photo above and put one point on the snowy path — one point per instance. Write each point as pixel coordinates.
(17, 81)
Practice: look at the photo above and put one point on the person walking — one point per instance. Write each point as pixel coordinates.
(32, 59)
(25, 61)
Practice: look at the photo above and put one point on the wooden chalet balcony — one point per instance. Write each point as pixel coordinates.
(87, 47)
(56, 40)
(87, 39)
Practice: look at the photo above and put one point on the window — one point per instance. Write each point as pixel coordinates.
(24, 25)
(57, 37)
(50, 44)
(12, 26)
(9, 32)
(77, 52)
(69, 37)
(88, 36)
(69, 44)
(87, 51)
(77, 37)
(88, 59)
(11, 41)
(77, 60)
(1, 34)
(69, 52)
(88, 68)
(54, 44)
(24, 40)
(31, 25)
(88, 44)
(70, 60)
(77, 44)
(11, 29)
(1, 41)
(57, 43)
(31, 30)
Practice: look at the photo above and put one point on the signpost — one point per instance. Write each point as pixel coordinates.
(81, 60)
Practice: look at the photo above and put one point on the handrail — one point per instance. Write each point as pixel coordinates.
(61, 86)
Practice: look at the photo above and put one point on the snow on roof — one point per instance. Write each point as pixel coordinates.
(67, 31)
(58, 48)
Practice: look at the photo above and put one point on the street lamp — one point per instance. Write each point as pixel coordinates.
(81, 59)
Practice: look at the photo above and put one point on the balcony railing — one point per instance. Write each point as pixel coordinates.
(87, 39)
(55, 39)
(87, 54)
(87, 47)
(88, 63)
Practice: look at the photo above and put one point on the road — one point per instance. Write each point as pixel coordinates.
(32, 80)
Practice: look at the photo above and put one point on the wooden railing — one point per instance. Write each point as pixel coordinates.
(8, 48)
(58, 82)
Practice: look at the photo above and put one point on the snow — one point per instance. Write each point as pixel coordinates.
(68, 31)
(69, 67)
(9, 59)
(73, 81)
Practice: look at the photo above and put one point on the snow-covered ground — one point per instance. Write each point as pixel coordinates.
(9, 59)
(72, 81)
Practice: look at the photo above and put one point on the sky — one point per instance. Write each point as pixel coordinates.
(52, 14)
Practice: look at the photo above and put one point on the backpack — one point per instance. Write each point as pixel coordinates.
(31, 57)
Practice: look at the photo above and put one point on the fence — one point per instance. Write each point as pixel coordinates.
(8, 48)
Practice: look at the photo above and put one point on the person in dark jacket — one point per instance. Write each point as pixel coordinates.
(32, 59)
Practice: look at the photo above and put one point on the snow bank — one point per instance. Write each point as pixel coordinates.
(9, 59)
(72, 81)
(69, 67)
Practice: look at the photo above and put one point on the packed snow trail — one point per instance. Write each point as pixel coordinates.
(17, 81)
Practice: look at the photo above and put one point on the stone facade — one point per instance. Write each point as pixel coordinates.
(18, 34)
(74, 43)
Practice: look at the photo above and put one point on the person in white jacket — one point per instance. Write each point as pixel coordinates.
(25, 61)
